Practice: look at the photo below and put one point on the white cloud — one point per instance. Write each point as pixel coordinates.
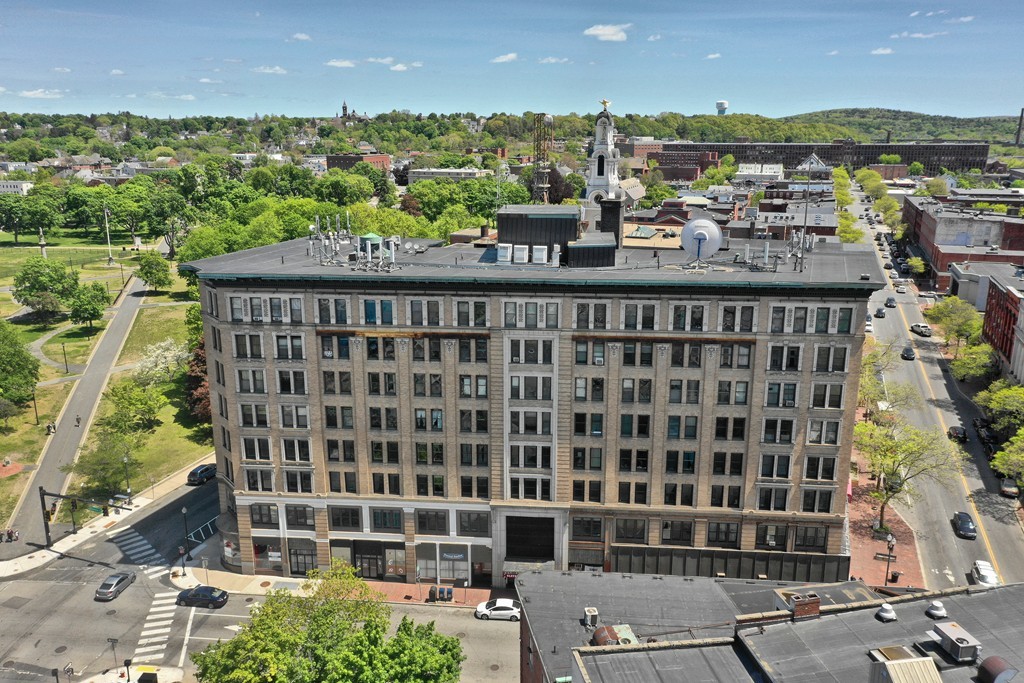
(231, 60)
(937, 13)
(960, 20)
(269, 70)
(62, 69)
(656, 36)
(2, 90)
(43, 94)
(613, 32)
(381, 60)
(399, 67)
(915, 13)
(210, 80)
(131, 96)
(923, 36)
(116, 72)
(502, 59)
(341, 63)
(882, 51)
(301, 36)
(416, 64)
(833, 53)
(553, 60)
(713, 55)
(166, 96)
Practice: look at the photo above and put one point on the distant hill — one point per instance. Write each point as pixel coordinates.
(908, 125)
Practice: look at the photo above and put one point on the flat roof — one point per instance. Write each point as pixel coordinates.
(835, 647)
(829, 265)
(681, 662)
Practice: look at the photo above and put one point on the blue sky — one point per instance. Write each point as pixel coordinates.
(229, 57)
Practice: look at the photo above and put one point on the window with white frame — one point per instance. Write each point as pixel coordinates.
(295, 450)
(772, 498)
(775, 466)
(291, 381)
(737, 318)
(378, 312)
(822, 468)
(823, 432)
(780, 394)
(255, 448)
(827, 396)
(784, 357)
(259, 480)
(253, 414)
(470, 313)
(639, 316)
(294, 417)
(424, 312)
(251, 382)
(777, 431)
(817, 500)
(248, 346)
(689, 317)
(830, 358)
(591, 316)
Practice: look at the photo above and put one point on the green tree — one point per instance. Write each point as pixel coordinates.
(7, 411)
(88, 303)
(889, 159)
(40, 213)
(578, 182)
(101, 468)
(1004, 404)
(334, 631)
(916, 265)
(1010, 458)
(19, 369)
(135, 406)
(11, 210)
(974, 362)
(45, 286)
(342, 188)
(936, 187)
(957, 319)
(154, 270)
(916, 168)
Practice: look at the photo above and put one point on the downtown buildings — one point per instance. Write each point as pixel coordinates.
(465, 414)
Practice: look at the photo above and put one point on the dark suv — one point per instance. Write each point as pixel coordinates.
(202, 474)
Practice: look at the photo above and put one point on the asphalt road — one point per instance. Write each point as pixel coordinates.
(946, 559)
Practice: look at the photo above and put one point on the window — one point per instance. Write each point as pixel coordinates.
(255, 448)
(775, 466)
(778, 324)
(675, 391)
(631, 531)
(772, 498)
(386, 520)
(431, 522)
(734, 356)
(737, 319)
(236, 308)
(723, 534)
(817, 500)
(810, 539)
(251, 382)
(823, 432)
(248, 346)
(296, 481)
(586, 529)
(299, 516)
(830, 359)
(596, 458)
(295, 417)
(784, 357)
(291, 381)
(259, 480)
(263, 515)
(289, 347)
(817, 467)
(594, 491)
(474, 524)
(295, 450)
(345, 518)
(693, 391)
(677, 533)
(350, 482)
(845, 323)
(690, 427)
(771, 536)
(780, 394)
(717, 495)
(254, 415)
(827, 396)
(777, 431)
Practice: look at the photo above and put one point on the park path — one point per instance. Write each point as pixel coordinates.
(62, 447)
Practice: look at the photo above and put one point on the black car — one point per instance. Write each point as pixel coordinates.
(879, 312)
(908, 353)
(957, 433)
(990, 448)
(890, 302)
(203, 596)
(202, 474)
(986, 435)
(963, 525)
(980, 422)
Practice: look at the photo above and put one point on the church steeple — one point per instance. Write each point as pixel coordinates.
(603, 163)
(344, 109)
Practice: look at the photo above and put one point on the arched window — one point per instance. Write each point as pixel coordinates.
(600, 165)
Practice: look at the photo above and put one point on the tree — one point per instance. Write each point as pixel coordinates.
(901, 455)
(135, 406)
(154, 270)
(40, 213)
(957, 318)
(342, 188)
(7, 411)
(197, 384)
(916, 265)
(889, 159)
(101, 468)
(1004, 404)
(1009, 460)
(578, 182)
(936, 187)
(11, 210)
(19, 369)
(88, 303)
(916, 168)
(333, 631)
(160, 362)
(45, 286)
(975, 362)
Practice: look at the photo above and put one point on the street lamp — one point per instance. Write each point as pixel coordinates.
(127, 481)
(127, 670)
(890, 542)
(188, 546)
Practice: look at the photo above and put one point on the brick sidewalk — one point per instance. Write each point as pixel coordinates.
(863, 546)
(410, 593)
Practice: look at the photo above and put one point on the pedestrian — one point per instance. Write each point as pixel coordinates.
(49, 429)
(78, 420)
(10, 535)
(16, 535)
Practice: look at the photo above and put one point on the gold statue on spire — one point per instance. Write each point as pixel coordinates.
(604, 103)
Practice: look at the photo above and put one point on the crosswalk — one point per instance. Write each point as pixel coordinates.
(139, 550)
(157, 628)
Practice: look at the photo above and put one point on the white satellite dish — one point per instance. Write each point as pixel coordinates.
(408, 245)
(701, 238)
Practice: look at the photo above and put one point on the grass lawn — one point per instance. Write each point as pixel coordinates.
(178, 292)
(23, 440)
(8, 306)
(30, 328)
(13, 258)
(78, 341)
(153, 325)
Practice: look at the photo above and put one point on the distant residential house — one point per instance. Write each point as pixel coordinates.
(15, 187)
(456, 174)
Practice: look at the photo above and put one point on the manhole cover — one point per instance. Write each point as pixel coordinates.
(460, 635)
(111, 612)
(249, 599)
(61, 649)
(494, 667)
(264, 584)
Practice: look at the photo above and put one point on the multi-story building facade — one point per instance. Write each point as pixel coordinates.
(453, 415)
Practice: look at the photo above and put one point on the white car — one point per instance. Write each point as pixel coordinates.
(902, 289)
(983, 574)
(501, 608)
(869, 327)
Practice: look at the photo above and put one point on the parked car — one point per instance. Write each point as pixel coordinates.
(202, 474)
(890, 302)
(980, 422)
(901, 289)
(203, 596)
(887, 265)
(114, 585)
(957, 433)
(984, 574)
(869, 327)
(963, 525)
(500, 608)
(990, 448)
(986, 435)
(922, 329)
(879, 312)
(1008, 487)
(908, 353)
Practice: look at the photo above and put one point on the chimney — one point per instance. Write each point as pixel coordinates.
(612, 218)
(485, 231)
(807, 606)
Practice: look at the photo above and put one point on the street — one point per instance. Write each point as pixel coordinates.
(947, 558)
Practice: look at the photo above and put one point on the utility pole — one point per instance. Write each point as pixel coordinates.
(106, 226)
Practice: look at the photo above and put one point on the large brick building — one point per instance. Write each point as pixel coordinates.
(451, 413)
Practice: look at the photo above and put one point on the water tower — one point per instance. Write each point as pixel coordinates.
(721, 106)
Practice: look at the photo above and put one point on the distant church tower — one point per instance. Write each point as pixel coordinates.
(603, 163)
(344, 109)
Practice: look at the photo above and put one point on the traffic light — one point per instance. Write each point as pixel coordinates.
(74, 504)
(106, 511)
(46, 515)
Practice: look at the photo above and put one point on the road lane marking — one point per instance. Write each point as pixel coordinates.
(944, 427)
(155, 631)
(151, 648)
(184, 642)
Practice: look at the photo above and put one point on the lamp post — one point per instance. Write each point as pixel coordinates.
(127, 481)
(67, 369)
(127, 670)
(890, 542)
(188, 546)
(106, 226)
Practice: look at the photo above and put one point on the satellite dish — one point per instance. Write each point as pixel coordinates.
(408, 245)
(701, 238)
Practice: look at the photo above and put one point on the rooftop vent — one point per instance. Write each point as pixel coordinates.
(886, 613)
(590, 616)
(936, 610)
(996, 670)
(504, 253)
(521, 253)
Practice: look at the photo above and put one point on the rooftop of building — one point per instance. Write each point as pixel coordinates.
(708, 663)
(827, 264)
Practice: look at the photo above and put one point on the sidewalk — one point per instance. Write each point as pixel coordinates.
(865, 549)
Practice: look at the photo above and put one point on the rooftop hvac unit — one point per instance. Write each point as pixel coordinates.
(590, 616)
(504, 253)
(955, 640)
(556, 255)
(521, 253)
(540, 254)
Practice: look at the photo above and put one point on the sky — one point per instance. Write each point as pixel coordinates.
(774, 58)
